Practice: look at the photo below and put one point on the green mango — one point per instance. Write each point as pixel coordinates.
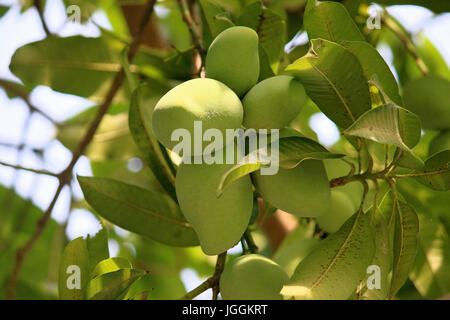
(233, 59)
(290, 256)
(252, 277)
(273, 103)
(218, 222)
(303, 191)
(205, 100)
(341, 209)
(440, 143)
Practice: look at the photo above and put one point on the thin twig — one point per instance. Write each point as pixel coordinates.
(211, 282)
(29, 169)
(17, 91)
(38, 5)
(250, 242)
(405, 38)
(66, 175)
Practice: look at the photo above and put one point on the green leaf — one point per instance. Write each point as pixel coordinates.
(431, 271)
(388, 124)
(405, 244)
(340, 90)
(294, 150)
(74, 65)
(429, 98)
(213, 26)
(113, 285)
(3, 10)
(74, 270)
(140, 119)
(337, 265)
(110, 265)
(236, 172)
(436, 172)
(138, 210)
(330, 21)
(270, 27)
(97, 248)
(375, 67)
(383, 259)
(408, 159)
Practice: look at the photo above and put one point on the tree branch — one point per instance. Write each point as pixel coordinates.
(29, 169)
(38, 6)
(65, 176)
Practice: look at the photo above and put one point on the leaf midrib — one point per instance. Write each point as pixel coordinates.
(338, 254)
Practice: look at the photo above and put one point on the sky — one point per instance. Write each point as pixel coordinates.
(18, 29)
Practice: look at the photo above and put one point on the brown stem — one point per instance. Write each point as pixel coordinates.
(38, 5)
(65, 176)
(29, 169)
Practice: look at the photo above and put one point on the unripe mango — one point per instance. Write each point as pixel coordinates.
(273, 103)
(290, 256)
(303, 191)
(205, 100)
(341, 209)
(233, 59)
(252, 277)
(218, 222)
(440, 143)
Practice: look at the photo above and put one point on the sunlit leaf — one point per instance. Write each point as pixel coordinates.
(340, 90)
(110, 265)
(113, 285)
(337, 265)
(388, 124)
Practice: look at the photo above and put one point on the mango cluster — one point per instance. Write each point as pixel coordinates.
(232, 96)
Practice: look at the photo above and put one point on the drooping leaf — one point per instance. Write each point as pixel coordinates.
(292, 150)
(75, 65)
(140, 126)
(113, 285)
(374, 66)
(337, 265)
(405, 244)
(74, 271)
(330, 21)
(388, 124)
(436, 172)
(334, 80)
(408, 159)
(138, 210)
(429, 98)
(110, 265)
(431, 271)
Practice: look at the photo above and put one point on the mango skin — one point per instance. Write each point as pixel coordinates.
(303, 191)
(218, 222)
(206, 100)
(290, 256)
(233, 58)
(252, 277)
(341, 209)
(273, 103)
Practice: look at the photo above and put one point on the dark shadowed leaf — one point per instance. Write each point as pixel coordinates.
(436, 172)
